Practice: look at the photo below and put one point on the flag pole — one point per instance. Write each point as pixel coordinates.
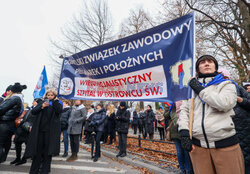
(191, 114)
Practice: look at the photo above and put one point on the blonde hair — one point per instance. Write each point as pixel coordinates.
(50, 91)
(8, 96)
(111, 109)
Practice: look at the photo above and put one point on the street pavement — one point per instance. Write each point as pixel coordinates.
(59, 165)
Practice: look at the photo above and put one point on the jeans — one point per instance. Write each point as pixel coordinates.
(182, 156)
(65, 140)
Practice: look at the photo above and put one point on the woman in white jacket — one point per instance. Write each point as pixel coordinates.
(214, 148)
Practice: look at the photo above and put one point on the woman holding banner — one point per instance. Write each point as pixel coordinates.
(214, 148)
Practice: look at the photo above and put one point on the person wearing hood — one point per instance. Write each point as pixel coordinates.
(149, 122)
(10, 109)
(64, 125)
(77, 117)
(214, 147)
(122, 126)
(97, 122)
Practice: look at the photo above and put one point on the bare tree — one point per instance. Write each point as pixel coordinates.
(172, 9)
(91, 27)
(138, 20)
(227, 24)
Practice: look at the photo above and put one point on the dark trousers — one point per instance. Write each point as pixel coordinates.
(135, 126)
(98, 145)
(18, 146)
(42, 159)
(122, 142)
(6, 132)
(161, 132)
(140, 128)
(74, 143)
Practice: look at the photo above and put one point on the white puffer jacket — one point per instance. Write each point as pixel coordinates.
(212, 126)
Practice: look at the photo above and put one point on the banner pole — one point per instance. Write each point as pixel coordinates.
(191, 114)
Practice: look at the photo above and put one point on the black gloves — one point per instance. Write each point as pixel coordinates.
(195, 85)
(186, 142)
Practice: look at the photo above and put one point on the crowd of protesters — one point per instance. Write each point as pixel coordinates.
(218, 143)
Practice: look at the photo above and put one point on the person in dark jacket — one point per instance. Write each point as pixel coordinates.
(44, 140)
(64, 125)
(122, 125)
(110, 127)
(242, 124)
(10, 109)
(142, 116)
(22, 134)
(76, 119)
(135, 121)
(182, 155)
(88, 129)
(149, 122)
(98, 123)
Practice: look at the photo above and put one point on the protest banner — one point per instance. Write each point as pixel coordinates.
(153, 65)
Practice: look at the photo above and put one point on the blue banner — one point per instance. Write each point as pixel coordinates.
(40, 88)
(153, 65)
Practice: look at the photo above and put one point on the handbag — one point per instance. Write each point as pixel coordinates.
(26, 126)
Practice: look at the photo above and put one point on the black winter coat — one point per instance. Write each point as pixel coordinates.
(135, 119)
(242, 123)
(11, 108)
(65, 118)
(111, 123)
(87, 127)
(149, 121)
(98, 120)
(22, 132)
(54, 129)
(122, 120)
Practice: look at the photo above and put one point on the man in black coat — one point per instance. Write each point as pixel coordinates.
(122, 125)
(242, 124)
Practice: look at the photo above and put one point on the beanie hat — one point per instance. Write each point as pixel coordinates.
(123, 103)
(17, 87)
(206, 57)
(8, 88)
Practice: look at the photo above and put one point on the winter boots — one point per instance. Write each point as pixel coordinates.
(72, 158)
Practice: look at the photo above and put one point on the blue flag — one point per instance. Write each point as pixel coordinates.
(153, 65)
(41, 84)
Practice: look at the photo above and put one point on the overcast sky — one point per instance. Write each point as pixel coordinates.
(26, 27)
